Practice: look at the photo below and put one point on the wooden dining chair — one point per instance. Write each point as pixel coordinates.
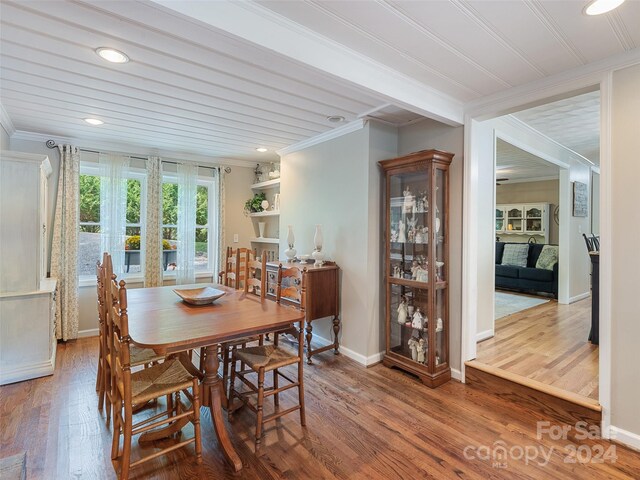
(253, 267)
(170, 378)
(233, 274)
(144, 357)
(270, 358)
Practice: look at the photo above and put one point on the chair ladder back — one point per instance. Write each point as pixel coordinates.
(121, 341)
(253, 266)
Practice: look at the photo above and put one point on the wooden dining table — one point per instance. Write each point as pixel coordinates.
(160, 320)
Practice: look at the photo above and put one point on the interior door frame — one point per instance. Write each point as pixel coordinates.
(538, 94)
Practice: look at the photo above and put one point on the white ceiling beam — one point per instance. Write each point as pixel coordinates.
(261, 26)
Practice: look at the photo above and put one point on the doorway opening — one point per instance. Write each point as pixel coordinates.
(545, 204)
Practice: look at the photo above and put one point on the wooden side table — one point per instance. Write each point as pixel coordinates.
(323, 296)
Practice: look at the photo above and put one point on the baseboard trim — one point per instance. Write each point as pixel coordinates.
(456, 374)
(28, 371)
(577, 298)
(487, 334)
(624, 437)
(353, 355)
(91, 332)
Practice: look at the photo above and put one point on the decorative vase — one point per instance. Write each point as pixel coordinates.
(291, 251)
(261, 226)
(317, 254)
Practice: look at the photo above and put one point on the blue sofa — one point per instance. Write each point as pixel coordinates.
(529, 278)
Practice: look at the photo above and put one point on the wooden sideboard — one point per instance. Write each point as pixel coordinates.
(322, 298)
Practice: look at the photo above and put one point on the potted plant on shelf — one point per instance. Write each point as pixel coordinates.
(254, 205)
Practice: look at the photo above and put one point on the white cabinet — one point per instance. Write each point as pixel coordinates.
(27, 297)
(270, 219)
(520, 222)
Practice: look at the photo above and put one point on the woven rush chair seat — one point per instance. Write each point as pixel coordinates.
(142, 356)
(267, 356)
(159, 380)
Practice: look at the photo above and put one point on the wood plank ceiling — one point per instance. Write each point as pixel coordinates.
(197, 89)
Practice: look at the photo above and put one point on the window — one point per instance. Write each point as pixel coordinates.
(90, 226)
(203, 261)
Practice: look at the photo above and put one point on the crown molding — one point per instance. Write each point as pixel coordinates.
(582, 79)
(323, 137)
(262, 26)
(6, 121)
(126, 149)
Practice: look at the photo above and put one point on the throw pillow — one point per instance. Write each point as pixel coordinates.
(515, 254)
(548, 257)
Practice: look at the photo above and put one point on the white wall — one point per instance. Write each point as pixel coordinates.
(328, 184)
(431, 134)
(237, 192)
(625, 222)
(547, 191)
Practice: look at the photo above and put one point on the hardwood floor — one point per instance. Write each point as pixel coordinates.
(373, 423)
(547, 343)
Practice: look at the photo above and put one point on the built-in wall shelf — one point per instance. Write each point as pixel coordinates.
(268, 184)
(275, 241)
(268, 213)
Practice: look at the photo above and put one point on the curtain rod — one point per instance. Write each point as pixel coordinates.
(52, 144)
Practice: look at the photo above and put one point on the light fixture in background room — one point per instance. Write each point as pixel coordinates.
(112, 55)
(335, 118)
(598, 7)
(261, 149)
(93, 121)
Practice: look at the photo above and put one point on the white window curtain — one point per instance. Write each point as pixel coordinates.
(187, 188)
(64, 249)
(113, 207)
(153, 223)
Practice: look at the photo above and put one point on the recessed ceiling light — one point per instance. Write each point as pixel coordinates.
(598, 7)
(112, 55)
(93, 121)
(335, 118)
(261, 149)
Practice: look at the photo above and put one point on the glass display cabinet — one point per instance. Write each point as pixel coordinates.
(416, 246)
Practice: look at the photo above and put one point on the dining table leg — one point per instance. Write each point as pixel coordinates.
(214, 397)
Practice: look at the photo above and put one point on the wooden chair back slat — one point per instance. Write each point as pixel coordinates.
(252, 268)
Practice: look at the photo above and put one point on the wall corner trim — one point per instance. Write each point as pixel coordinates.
(92, 332)
(323, 137)
(485, 335)
(353, 355)
(625, 437)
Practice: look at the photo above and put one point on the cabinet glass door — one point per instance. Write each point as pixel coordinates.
(408, 322)
(499, 220)
(514, 219)
(408, 226)
(533, 219)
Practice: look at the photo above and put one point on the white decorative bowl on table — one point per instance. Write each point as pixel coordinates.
(304, 258)
(199, 296)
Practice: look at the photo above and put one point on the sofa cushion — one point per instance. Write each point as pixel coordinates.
(537, 274)
(548, 257)
(499, 252)
(515, 254)
(507, 271)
